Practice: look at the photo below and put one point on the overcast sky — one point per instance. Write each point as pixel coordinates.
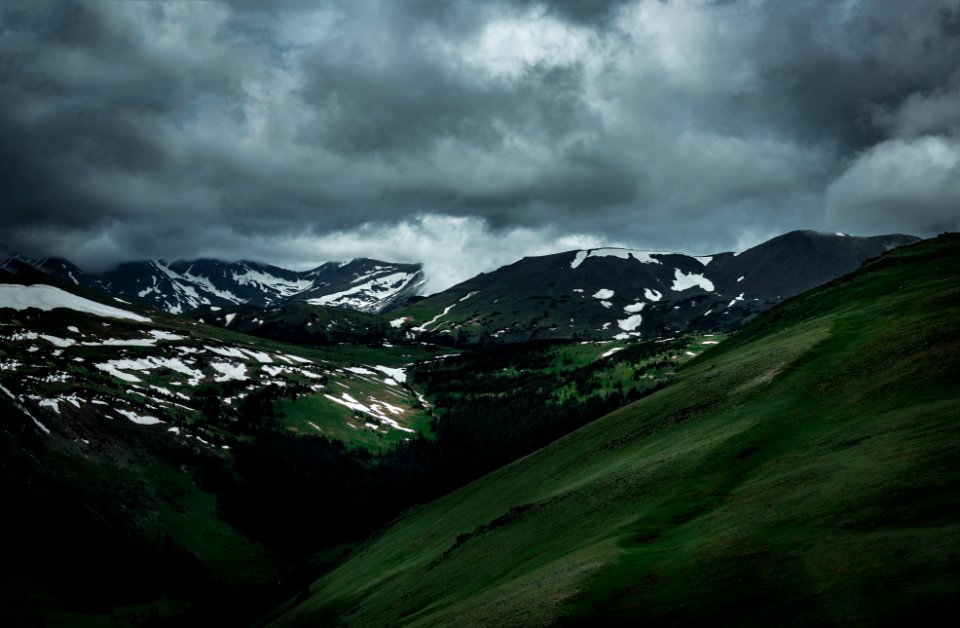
(467, 134)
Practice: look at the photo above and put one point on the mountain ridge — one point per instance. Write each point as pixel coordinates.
(618, 293)
(180, 286)
(605, 293)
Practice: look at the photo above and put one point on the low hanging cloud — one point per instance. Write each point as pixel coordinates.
(297, 132)
(447, 246)
(897, 185)
(910, 180)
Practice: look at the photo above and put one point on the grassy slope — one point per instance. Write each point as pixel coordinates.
(804, 472)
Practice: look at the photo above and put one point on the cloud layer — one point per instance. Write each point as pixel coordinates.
(466, 134)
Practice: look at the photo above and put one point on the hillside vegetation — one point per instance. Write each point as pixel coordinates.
(803, 472)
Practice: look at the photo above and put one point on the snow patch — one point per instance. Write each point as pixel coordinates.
(123, 342)
(227, 352)
(603, 293)
(739, 298)
(630, 323)
(50, 403)
(58, 342)
(683, 281)
(46, 298)
(359, 370)
(259, 356)
(229, 371)
(159, 334)
(446, 311)
(644, 257)
(399, 375)
(139, 419)
(652, 295)
(116, 372)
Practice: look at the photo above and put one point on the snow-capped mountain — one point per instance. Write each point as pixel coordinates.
(362, 284)
(623, 293)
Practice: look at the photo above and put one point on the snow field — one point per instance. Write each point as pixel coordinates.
(46, 298)
(644, 257)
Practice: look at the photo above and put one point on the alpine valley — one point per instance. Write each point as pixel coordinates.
(594, 437)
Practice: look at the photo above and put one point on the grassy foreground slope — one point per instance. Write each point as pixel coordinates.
(805, 472)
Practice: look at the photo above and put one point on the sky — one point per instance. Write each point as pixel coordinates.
(464, 134)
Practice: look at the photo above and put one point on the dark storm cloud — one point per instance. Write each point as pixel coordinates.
(464, 13)
(585, 11)
(132, 129)
(836, 60)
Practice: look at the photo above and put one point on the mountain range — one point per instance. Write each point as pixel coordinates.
(181, 286)
(622, 293)
(594, 294)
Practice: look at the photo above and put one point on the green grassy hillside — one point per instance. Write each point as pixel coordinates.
(804, 472)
